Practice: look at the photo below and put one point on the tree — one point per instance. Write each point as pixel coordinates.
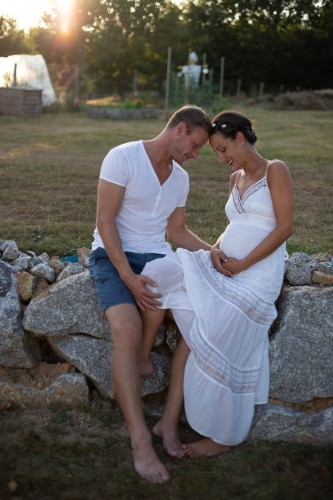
(132, 36)
(12, 40)
(273, 41)
(286, 42)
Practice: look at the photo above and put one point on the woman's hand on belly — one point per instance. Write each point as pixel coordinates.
(219, 260)
(234, 266)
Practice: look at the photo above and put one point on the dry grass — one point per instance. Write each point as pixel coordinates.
(49, 169)
(84, 454)
(316, 100)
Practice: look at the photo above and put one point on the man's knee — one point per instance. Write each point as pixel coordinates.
(125, 325)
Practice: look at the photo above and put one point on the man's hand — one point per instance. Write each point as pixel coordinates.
(145, 299)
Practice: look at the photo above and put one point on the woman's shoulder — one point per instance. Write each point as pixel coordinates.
(276, 167)
(276, 162)
(277, 170)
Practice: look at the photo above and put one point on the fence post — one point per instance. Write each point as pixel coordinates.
(222, 76)
(167, 84)
(239, 87)
(261, 88)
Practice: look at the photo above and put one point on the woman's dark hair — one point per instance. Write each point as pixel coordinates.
(229, 123)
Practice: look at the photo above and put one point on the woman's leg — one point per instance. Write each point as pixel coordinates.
(168, 275)
(151, 323)
(205, 447)
(167, 427)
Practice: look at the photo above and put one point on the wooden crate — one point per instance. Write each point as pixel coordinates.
(20, 101)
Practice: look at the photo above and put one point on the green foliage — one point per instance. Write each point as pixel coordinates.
(285, 44)
(132, 104)
(220, 103)
(12, 39)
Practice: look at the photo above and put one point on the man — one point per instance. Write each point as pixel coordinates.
(141, 197)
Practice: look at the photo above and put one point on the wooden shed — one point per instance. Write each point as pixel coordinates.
(20, 101)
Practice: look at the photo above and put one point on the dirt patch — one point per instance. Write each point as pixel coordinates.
(321, 100)
(316, 100)
(38, 377)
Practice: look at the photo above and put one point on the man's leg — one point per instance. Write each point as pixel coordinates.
(125, 325)
(167, 427)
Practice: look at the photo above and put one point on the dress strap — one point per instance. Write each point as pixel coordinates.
(237, 177)
(268, 164)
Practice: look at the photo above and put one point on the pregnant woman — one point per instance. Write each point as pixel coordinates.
(224, 300)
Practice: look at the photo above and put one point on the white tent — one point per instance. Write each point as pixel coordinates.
(31, 71)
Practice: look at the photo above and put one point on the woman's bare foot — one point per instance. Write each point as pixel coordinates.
(148, 465)
(171, 441)
(146, 368)
(205, 447)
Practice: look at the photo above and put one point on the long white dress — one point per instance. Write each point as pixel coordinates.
(225, 320)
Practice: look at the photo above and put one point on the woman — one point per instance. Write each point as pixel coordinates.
(223, 300)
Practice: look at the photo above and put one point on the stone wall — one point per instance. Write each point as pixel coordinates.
(125, 113)
(55, 344)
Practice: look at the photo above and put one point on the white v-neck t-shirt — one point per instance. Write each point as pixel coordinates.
(147, 204)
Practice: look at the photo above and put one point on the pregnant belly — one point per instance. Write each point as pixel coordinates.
(238, 240)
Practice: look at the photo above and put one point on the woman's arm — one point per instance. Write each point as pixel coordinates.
(280, 186)
(217, 256)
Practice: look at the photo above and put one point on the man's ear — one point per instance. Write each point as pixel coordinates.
(181, 128)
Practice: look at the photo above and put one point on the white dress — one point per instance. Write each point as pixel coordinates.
(224, 320)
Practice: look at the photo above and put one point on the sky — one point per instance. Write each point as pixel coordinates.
(28, 12)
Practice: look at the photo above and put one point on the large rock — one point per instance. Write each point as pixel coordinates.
(298, 269)
(92, 357)
(68, 306)
(68, 389)
(9, 250)
(16, 347)
(301, 348)
(43, 270)
(68, 316)
(278, 423)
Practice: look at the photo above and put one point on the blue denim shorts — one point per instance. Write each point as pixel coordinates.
(110, 289)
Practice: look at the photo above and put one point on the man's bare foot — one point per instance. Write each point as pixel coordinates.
(148, 465)
(205, 447)
(171, 441)
(146, 368)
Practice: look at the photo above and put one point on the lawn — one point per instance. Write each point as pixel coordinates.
(84, 454)
(49, 169)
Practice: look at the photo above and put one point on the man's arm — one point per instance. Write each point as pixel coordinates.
(109, 200)
(179, 234)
